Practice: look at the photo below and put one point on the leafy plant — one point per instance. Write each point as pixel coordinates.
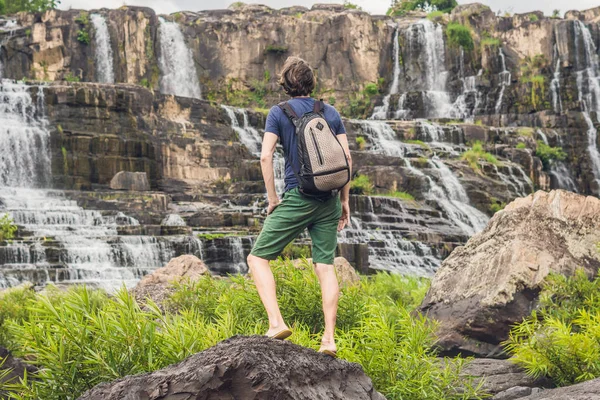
(521, 145)
(531, 73)
(351, 6)
(533, 18)
(69, 77)
(7, 228)
(361, 142)
(459, 36)
(13, 306)
(83, 36)
(556, 14)
(477, 153)
(400, 7)
(361, 184)
(490, 42)
(401, 195)
(16, 6)
(561, 340)
(435, 15)
(294, 251)
(548, 153)
(83, 19)
(237, 5)
(371, 89)
(275, 49)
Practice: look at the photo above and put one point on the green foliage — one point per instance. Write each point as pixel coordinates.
(459, 36)
(83, 19)
(435, 15)
(83, 337)
(371, 89)
(418, 142)
(361, 142)
(27, 32)
(351, 6)
(477, 153)
(531, 73)
(361, 184)
(331, 100)
(237, 5)
(83, 36)
(521, 145)
(293, 251)
(401, 195)
(144, 82)
(13, 305)
(496, 205)
(548, 153)
(275, 49)
(7, 228)
(490, 42)
(15, 6)
(400, 7)
(212, 236)
(525, 131)
(360, 103)
(562, 339)
(65, 160)
(69, 77)
(533, 18)
(556, 14)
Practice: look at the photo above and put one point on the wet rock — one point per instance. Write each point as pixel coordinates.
(247, 368)
(17, 366)
(345, 272)
(589, 390)
(500, 376)
(157, 285)
(492, 282)
(133, 181)
(517, 392)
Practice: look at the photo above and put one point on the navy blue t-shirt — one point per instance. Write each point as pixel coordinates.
(280, 125)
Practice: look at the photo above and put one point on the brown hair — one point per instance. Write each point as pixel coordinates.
(297, 77)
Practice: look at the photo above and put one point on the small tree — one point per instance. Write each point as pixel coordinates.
(27, 5)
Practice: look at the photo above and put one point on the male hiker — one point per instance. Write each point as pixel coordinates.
(317, 158)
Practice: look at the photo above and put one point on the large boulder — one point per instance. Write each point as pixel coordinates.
(589, 390)
(157, 285)
(133, 181)
(246, 368)
(492, 282)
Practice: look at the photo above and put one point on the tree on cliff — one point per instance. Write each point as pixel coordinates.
(15, 6)
(399, 7)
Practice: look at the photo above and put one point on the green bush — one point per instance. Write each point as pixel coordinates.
(12, 7)
(69, 77)
(521, 145)
(477, 153)
(548, 153)
(459, 36)
(83, 19)
(435, 15)
(351, 6)
(401, 195)
(361, 184)
(275, 49)
(83, 337)
(556, 14)
(533, 17)
(7, 228)
(561, 340)
(490, 42)
(294, 251)
(371, 89)
(361, 142)
(400, 8)
(83, 36)
(13, 305)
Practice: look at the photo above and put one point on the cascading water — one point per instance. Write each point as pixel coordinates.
(381, 112)
(176, 62)
(252, 139)
(382, 138)
(426, 39)
(555, 84)
(588, 87)
(60, 241)
(104, 53)
(470, 94)
(562, 177)
(505, 78)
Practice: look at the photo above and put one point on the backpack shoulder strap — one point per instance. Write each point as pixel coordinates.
(319, 106)
(288, 111)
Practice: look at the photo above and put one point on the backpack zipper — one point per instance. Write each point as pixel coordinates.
(312, 134)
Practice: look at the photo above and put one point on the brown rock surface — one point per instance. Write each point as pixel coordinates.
(134, 181)
(492, 282)
(345, 272)
(156, 285)
(246, 368)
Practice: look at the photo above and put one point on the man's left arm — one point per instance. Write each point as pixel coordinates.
(345, 192)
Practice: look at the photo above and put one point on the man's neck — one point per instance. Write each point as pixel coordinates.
(301, 97)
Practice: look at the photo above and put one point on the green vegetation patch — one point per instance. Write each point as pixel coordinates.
(401, 195)
(459, 36)
(474, 155)
(561, 340)
(490, 42)
(82, 337)
(361, 142)
(83, 36)
(7, 228)
(548, 153)
(361, 184)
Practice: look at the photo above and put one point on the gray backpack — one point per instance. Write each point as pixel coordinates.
(324, 169)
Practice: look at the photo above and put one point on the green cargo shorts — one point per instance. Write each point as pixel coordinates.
(295, 213)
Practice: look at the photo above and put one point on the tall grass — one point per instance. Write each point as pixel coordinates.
(83, 337)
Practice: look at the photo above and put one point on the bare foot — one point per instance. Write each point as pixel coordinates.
(328, 345)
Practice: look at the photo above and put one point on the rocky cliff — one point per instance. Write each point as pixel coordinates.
(512, 111)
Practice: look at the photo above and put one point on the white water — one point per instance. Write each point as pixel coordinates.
(427, 39)
(555, 84)
(85, 245)
(505, 78)
(252, 139)
(381, 112)
(173, 220)
(460, 108)
(176, 63)
(382, 138)
(588, 87)
(104, 53)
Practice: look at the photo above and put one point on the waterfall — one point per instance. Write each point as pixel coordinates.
(252, 139)
(382, 138)
(176, 62)
(555, 84)
(381, 112)
(588, 87)
(63, 243)
(505, 78)
(173, 220)
(427, 40)
(104, 53)
(460, 108)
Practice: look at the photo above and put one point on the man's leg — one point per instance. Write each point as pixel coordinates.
(323, 233)
(265, 285)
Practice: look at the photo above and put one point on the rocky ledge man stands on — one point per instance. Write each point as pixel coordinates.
(317, 175)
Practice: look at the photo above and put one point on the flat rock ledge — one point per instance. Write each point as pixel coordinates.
(246, 368)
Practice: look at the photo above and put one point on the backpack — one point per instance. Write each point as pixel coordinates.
(324, 169)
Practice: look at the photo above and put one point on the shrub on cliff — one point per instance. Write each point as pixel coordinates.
(459, 36)
(15, 6)
(562, 339)
(548, 153)
(82, 337)
(399, 7)
(7, 228)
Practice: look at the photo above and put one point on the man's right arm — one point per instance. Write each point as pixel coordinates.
(266, 164)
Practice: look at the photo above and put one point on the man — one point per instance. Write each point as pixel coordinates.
(288, 218)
